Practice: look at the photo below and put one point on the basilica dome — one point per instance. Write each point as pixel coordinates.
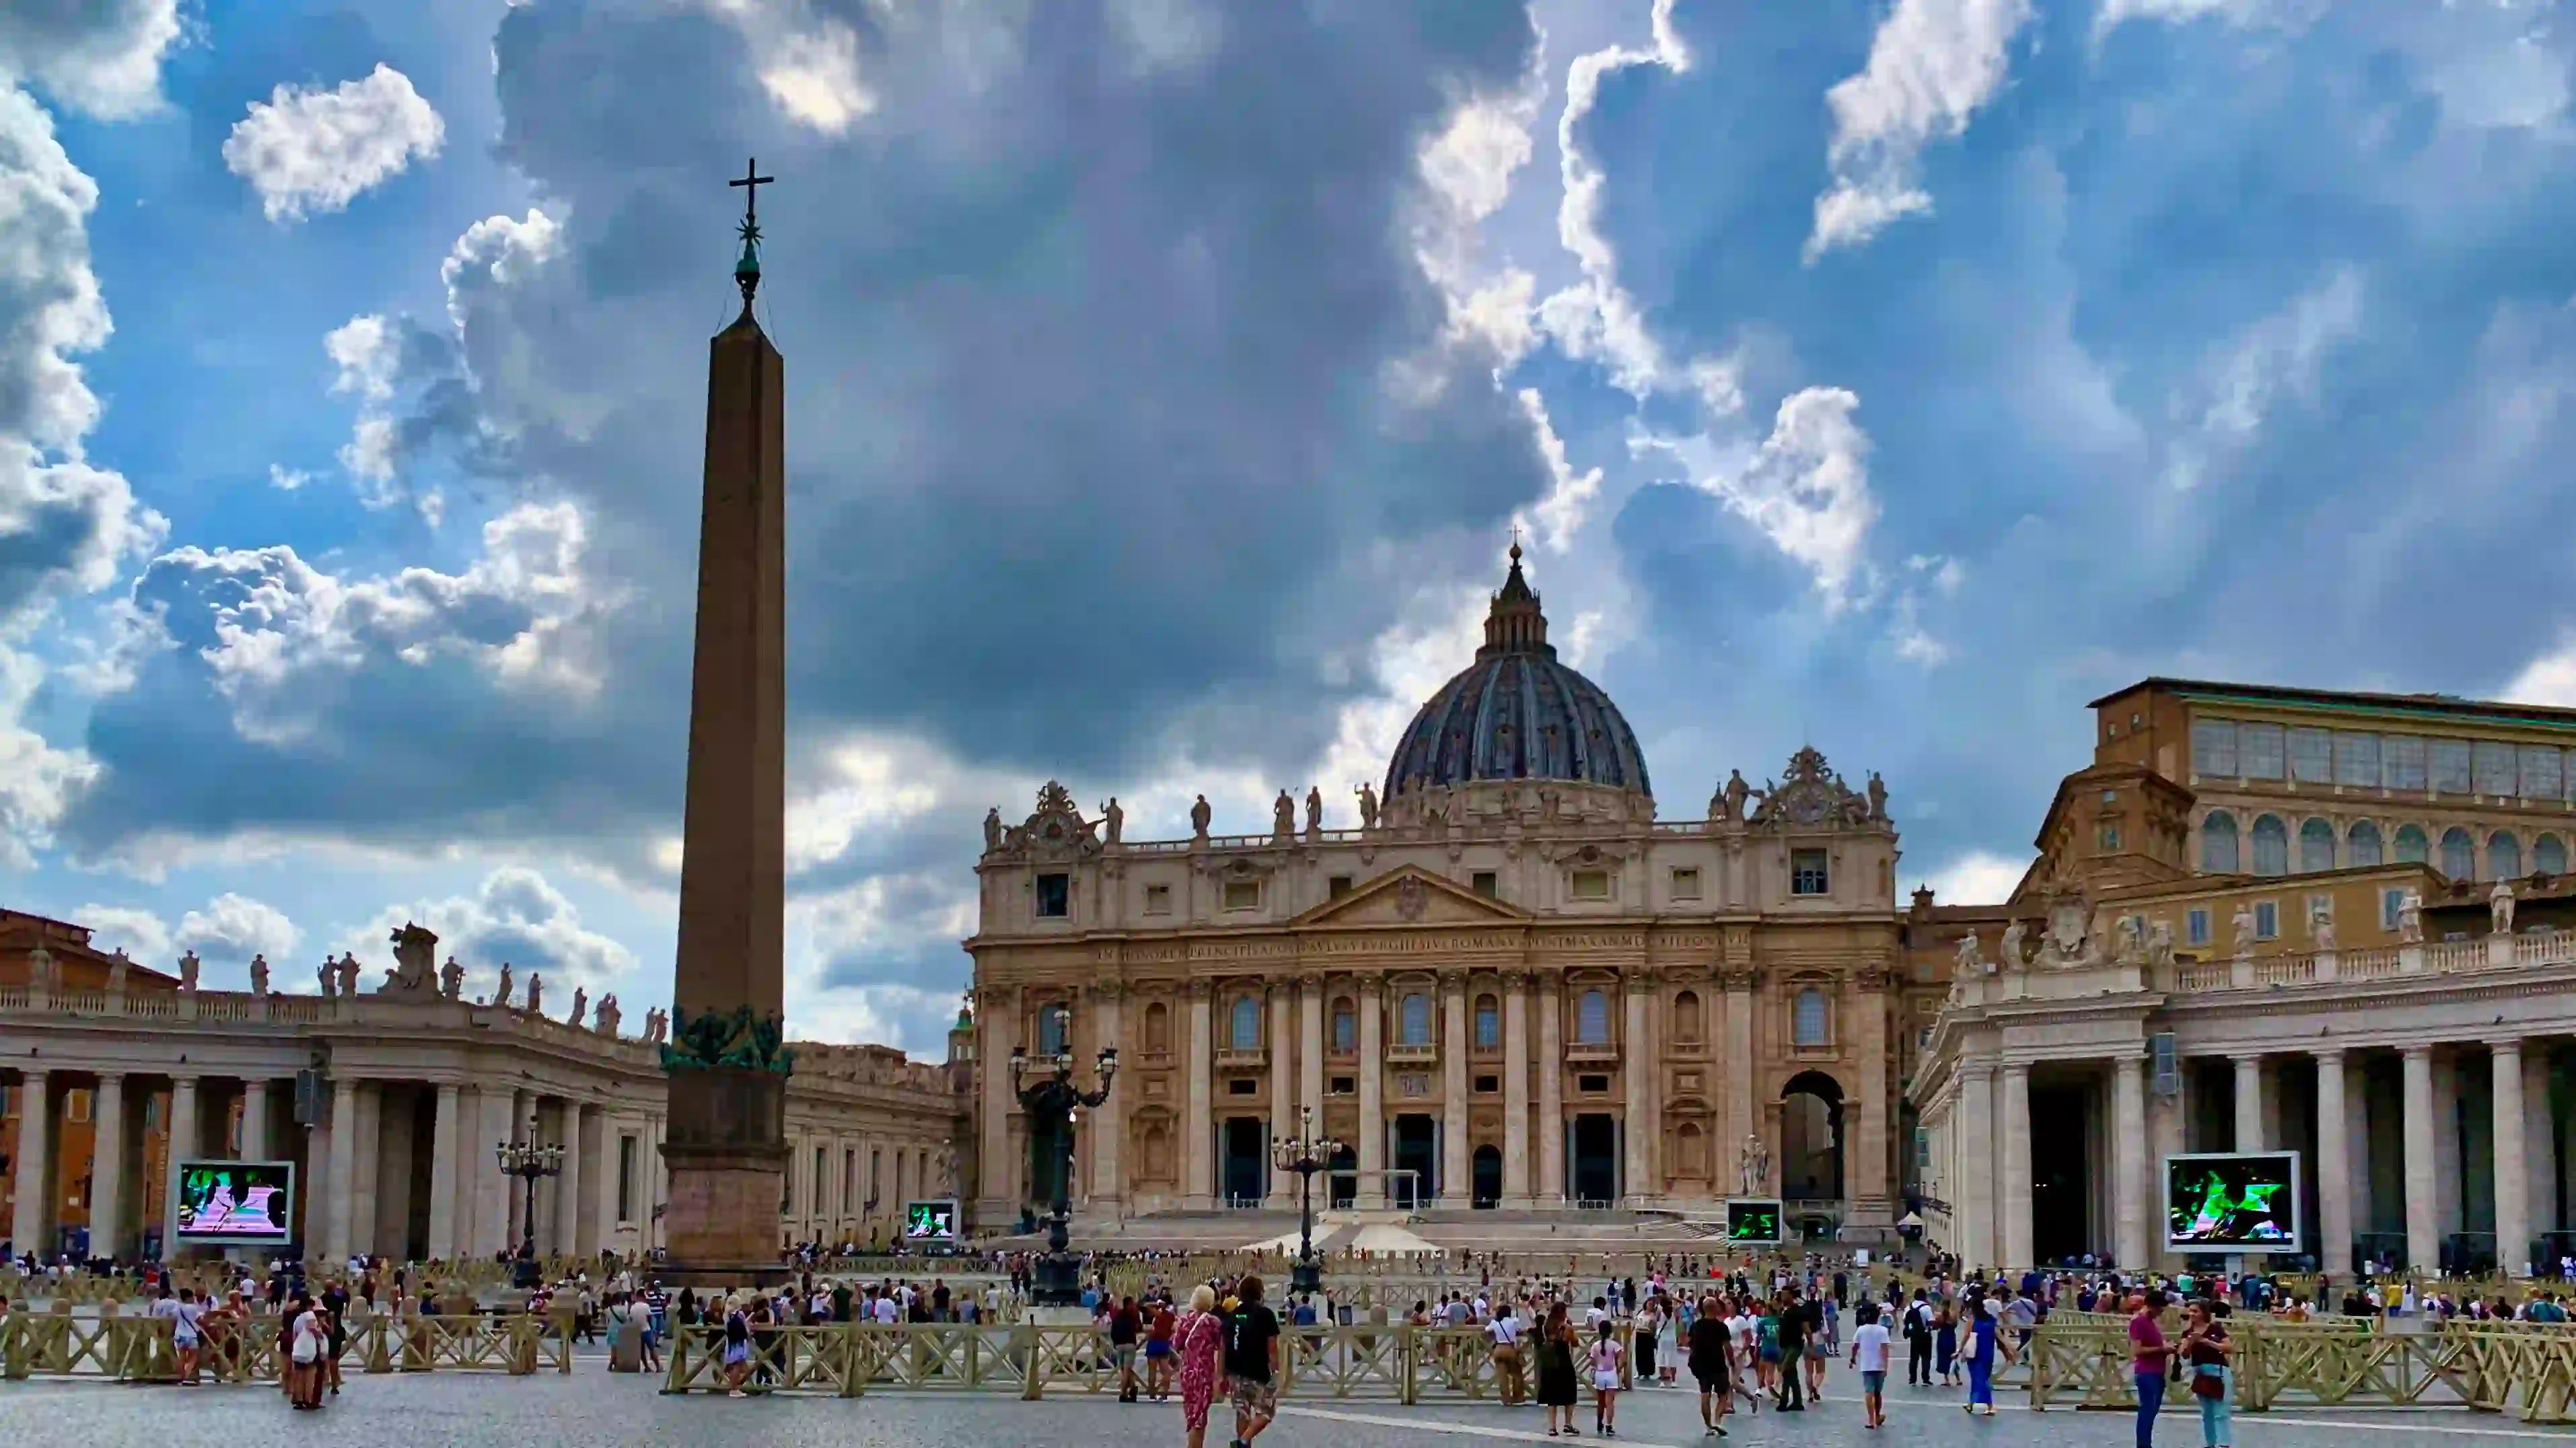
(1517, 713)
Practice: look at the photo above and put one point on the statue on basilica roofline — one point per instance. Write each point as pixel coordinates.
(605, 1020)
(2500, 907)
(259, 975)
(501, 996)
(1314, 810)
(451, 979)
(1368, 806)
(1113, 820)
(1728, 805)
(580, 1003)
(1966, 963)
(992, 829)
(1877, 796)
(2410, 918)
(329, 975)
(1200, 814)
(348, 972)
(2008, 953)
(1283, 816)
(2241, 929)
(189, 965)
(536, 987)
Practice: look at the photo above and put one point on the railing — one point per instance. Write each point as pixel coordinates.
(2195, 979)
(2286, 970)
(2526, 1369)
(2445, 956)
(244, 1350)
(1399, 1363)
(13, 997)
(2379, 964)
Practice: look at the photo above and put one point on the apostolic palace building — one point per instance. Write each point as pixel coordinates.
(2261, 918)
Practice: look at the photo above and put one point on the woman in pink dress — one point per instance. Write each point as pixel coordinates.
(1199, 1339)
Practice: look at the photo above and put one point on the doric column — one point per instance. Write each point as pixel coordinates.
(1283, 1098)
(107, 1167)
(996, 1199)
(340, 1190)
(1636, 1147)
(365, 1215)
(184, 1138)
(1516, 1074)
(1871, 1203)
(567, 1216)
(442, 1175)
(1738, 1070)
(2423, 1241)
(1198, 1144)
(2334, 1167)
(29, 1217)
(496, 1213)
(2249, 1103)
(1456, 1183)
(1310, 1043)
(1550, 1188)
(1974, 1204)
(2015, 1202)
(254, 1120)
(2131, 1188)
(2512, 1180)
(1372, 1128)
(1109, 1124)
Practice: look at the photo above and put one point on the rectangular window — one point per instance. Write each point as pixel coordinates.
(2196, 927)
(1807, 872)
(2213, 747)
(2356, 759)
(1242, 894)
(2494, 769)
(1488, 1085)
(2450, 765)
(2267, 920)
(1241, 1086)
(1685, 884)
(2260, 750)
(1055, 896)
(2392, 903)
(1158, 899)
(1346, 1085)
(2108, 836)
(2311, 756)
(1482, 882)
(1591, 884)
(2540, 775)
(2401, 761)
(1592, 1085)
(626, 1178)
(1337, 887)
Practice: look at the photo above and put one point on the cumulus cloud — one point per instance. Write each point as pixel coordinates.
(1977, 877)
(38, 782)
(99, 56)
(312, 150)
(2279, 356)
(516, 916)
(141, 934)
(1931, 66)
(1805, 488)
(233, 928)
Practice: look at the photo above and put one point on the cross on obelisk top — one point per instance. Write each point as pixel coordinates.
(746, 272)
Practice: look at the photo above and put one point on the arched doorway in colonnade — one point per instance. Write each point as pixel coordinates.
(1811, 1138)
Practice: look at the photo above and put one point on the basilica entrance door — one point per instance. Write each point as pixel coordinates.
(1594, 1161)
(1417, 1150)
(1489, 1176)
(1242, 1161)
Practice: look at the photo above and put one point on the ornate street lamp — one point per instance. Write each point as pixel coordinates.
(530, 1163)
(1305, 1154)
(1051, 1095)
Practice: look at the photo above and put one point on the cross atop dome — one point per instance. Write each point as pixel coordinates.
(1515, 624)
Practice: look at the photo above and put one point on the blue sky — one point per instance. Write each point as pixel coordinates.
(1165, 380)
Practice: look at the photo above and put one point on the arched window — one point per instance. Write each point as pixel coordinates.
(2362, 846)
(2412, 847)
(1686, 1017)
(2271, 846)
(2218, 842)
(1592, 1019)
(2549, 855)
(1415, 1020)
(2316, 847)
(1158, 1027)
(2504, 856)
(2459, 854)
(1346, 1026)
(1809, 1024)
(1489, 1023)
(1243, 1032)
(1055, 1030)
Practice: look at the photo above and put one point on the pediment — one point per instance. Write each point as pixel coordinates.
(1409, 895)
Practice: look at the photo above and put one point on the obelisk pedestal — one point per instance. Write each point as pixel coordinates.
(725, 1141)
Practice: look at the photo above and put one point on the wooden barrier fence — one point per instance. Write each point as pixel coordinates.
(143, 1349)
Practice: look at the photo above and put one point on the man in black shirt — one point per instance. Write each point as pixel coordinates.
(1252, 1362)
(1708, 1348)
(1794, 1327)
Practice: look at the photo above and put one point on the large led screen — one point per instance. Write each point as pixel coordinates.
(2235, 1201)
(235, 1201)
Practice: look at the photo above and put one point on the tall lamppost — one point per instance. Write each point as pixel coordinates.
(530, 1163)
(1050, 1097)
(1305, 1154)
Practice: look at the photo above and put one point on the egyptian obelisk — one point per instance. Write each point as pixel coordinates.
(725, 1142)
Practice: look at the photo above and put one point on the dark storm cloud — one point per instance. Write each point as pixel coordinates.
(1086, 418)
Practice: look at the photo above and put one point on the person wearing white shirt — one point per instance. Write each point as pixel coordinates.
(887, 1312)
(1506, 1332)
(1869, 1355)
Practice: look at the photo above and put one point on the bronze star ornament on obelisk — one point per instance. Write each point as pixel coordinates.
(725, 1142)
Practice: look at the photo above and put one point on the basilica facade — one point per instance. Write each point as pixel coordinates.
(1512, 985)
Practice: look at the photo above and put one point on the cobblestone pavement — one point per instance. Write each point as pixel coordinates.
(592, 1409)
